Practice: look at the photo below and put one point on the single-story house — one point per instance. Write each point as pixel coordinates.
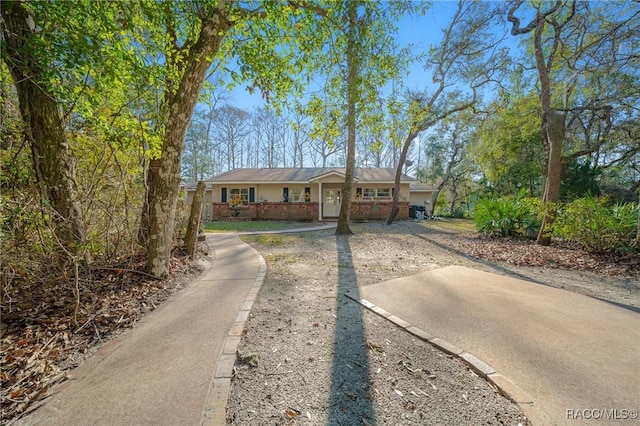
(308, 193)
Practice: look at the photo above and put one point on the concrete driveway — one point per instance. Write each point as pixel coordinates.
(566, 358)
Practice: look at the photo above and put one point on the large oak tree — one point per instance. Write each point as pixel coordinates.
(468, 55)
(576, 46)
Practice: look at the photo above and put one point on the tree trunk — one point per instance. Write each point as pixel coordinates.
(553, 129)
(454, 198)
(145, 218)
(393, 212)
(434, 201)
(554, 132)
(164, 189)
(193, 225)
(434, 198)
(352, 97)
(53, 162)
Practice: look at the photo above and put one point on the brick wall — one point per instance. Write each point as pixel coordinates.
(360, 211)
(304, 212)
(222, 210)
(377, 210)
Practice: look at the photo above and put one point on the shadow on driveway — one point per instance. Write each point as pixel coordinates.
(350, 400)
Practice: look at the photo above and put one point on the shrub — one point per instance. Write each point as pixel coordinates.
(507, 216)
(598, 226)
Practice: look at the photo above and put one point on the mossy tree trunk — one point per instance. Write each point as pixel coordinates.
(53, 162)
(162, 193)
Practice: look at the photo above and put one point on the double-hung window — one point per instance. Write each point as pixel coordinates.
(295, 195)
(376, 193)
(239, 196)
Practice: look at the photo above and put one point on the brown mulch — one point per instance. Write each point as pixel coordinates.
(560, 255)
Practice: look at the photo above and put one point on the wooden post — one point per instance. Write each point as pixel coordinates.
(193, 225)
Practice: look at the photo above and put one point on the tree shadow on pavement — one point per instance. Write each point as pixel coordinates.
(351, 399)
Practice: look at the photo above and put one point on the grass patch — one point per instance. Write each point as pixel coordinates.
(267, 240)
(253, 226)
(281, 257)
(450, 225)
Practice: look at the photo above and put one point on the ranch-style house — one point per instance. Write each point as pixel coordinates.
(307, 194)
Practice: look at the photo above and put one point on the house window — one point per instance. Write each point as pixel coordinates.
(376, 193)
(383, 193)
(239, 196)
(296, 194)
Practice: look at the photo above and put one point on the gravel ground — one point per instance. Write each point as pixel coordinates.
(311, 356)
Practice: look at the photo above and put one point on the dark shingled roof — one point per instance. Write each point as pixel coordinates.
(304, 175)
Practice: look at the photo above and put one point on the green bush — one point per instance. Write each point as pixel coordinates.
(598, 226)
(507, 216)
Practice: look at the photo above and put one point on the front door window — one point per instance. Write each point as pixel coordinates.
(331, 202)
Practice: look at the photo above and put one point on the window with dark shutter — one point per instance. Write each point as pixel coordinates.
(223, 196)
(252, 195)
(285, 194)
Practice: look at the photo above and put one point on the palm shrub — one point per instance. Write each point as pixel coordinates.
(597, 225)
(507, 216)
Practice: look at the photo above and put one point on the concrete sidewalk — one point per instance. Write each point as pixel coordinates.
(164, 370)
(562, 356)
(293, 230)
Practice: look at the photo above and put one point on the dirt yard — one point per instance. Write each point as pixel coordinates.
(311, 356)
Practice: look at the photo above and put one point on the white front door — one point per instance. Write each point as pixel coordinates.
(331, 202)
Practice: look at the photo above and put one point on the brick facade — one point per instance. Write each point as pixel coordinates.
(377, 210)
(303, 212)
(308, 212)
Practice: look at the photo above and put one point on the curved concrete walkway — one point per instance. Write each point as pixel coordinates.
(564, 357)
(165, 370)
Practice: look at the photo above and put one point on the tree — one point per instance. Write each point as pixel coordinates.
(468, 55)
(195, 158)
(509, 149)
(574, 46)
(299, 138)
(448, 147)
(196, 35)
(579, 180)
(52, 80)
(193, 225)
(327, 135)
(360, 59)
(267, 135)
(353, 49)
(231, 128)
(202, 156)
(190, 62)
